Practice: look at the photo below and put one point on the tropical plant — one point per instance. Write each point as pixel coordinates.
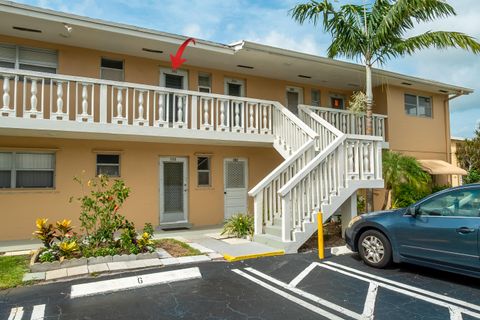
(99, 215)
(399, 169)
(358, 102)
(406, 194)
(239, 225)
(473, 176)
(45, 232)
(68, 247)
(468, 156)
(376, 32)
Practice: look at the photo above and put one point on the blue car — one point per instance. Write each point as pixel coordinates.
(440, 231)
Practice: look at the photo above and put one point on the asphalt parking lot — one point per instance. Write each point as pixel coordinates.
(295, 286)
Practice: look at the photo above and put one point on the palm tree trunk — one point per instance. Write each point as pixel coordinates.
(368, 126)
(386, 200)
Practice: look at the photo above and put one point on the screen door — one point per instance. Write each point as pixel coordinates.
(235, 186)
(173, 190)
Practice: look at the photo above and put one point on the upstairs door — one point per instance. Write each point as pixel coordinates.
(173, 190)
(174, 80)
(294, 96)
(234, 87)
(235, 186)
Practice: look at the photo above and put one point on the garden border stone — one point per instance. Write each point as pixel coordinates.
(77, 262)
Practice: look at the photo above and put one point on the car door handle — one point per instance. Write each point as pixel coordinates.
(464, 230)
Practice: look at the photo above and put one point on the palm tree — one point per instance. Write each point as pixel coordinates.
(399, 169)
(375, 33)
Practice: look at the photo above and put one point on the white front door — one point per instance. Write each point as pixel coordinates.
(235, 186)
(294, 98)
(173, 190)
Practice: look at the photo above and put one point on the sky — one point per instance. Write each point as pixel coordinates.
(268, 22)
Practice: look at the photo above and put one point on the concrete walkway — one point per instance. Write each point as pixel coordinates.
(209, 237)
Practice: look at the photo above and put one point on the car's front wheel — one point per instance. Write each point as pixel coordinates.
(375, 249)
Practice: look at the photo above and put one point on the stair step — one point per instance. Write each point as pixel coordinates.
(270, 240)
(275, 230)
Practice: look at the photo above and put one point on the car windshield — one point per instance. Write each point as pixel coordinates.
(461, 203)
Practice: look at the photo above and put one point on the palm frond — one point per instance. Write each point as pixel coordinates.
(402, 15)
(312, 12)
(439, 40)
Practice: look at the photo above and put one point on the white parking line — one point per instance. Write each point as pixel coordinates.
(404, 291)
(16, 314)
(301, 276)
(408, 287)
(369, 307)
(38, 313)
(288, 296)
(307, 295)
(113, 285)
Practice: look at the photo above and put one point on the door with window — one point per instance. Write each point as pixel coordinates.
(294, 98)
(173, 190)
(444, 229)
(235, 186)
(175, 80)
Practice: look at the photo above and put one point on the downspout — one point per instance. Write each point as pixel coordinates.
(446, 107)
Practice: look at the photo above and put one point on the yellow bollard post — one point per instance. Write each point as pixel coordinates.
(321, 249)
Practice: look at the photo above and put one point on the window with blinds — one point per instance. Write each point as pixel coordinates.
(173, 81)
(108, 164)
(27, 58)
(204, 172)
(27, 170)
(315, 98)
(204, 83)
(112, 69)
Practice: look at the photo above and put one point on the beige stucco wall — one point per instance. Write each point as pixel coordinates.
(139, 169)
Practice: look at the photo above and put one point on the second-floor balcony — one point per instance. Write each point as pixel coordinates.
(54, 105)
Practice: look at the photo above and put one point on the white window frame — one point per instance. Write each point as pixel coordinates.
(417, 98)
(319, 97)
(241, 82)
(107, 68)
(209, 88)
(13, 170)
(337, 96)
(17, 61)
(209, 185)
(108, 164)
(183, 73)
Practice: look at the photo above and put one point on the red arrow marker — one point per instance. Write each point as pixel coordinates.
(177, 60)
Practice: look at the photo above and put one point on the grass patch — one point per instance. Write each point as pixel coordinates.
(176, 248)
(12, 269)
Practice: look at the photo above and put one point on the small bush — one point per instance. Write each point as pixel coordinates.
(239, 225)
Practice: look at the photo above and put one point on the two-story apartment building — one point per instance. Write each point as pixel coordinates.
(239, 128)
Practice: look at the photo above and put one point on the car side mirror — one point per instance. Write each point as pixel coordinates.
(413, 211)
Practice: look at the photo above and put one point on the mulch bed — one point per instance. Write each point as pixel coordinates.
(332, 237)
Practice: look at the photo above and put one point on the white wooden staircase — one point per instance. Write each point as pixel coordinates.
(323, 167)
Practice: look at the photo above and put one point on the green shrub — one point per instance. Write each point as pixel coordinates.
(99, 215)
(473, 176)
(239, 225)
(406, 194)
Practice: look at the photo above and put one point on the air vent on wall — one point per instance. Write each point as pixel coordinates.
(352, 85)
(406, 83)
(27, 29)
(443, 91)
(244, 66)
(152, 50)
(304, 76)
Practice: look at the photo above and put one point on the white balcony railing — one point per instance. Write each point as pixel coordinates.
(44, 96)
(351, 123)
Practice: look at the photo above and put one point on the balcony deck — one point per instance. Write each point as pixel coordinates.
(53, 105)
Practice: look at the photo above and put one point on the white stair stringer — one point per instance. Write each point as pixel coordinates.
(286, 211)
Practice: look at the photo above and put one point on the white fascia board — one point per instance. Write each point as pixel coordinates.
(98, 24)
(351, 66)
